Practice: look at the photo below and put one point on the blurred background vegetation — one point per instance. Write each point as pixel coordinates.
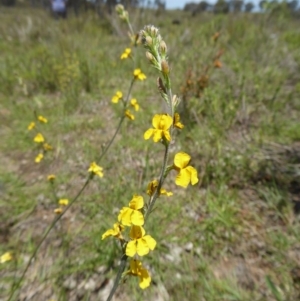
(233, 237)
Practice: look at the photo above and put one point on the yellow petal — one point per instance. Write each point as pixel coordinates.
(137, 202)
(131, 248)
(136, 232)
(193, 175)
(151, 187)
(135, 266)
(151, 242)
(31, 126)
(145, 278)
(39, 138)
(42, 119)
(63, 202)
(157, 135)
(142, 247)
(115, 99)
(58, 210)
(167, 135)
(5, 257)
(39, 158)
(165, 192)
(51, 178)
(125, 216)
(165, 122)
(137, 218)
(109, 232)
(156, 121)
(148, 134)
(183, 178)
(181, 160)
(129, 115)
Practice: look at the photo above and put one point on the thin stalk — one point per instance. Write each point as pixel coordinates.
(164, 165)
(118, 277)
(57, 218)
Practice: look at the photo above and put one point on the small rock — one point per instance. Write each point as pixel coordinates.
(90, 285)
(189, 247)
(69, 283)
(101, 269)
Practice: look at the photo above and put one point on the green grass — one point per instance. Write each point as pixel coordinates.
(234, 236)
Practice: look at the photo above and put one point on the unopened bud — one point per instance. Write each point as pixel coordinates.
(124, 15)
(165, 67)
(149, 41)
(153, 30)
(119, 9)
(163, 47)
(175, 101)
(149, 56)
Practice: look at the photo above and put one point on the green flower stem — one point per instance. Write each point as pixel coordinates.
(160, 183)
(119, 276)
(162, 175)
(53, 191)
(57, 218)
(120, 123)
(130, 27)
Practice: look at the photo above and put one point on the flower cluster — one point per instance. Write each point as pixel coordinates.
(137, 75)
(62, 204)
(156, 50)
(96, 170)
(138, 244)
(39, 139)
(126, 54)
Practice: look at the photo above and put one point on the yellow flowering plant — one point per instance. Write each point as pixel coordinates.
(130, 226)
(132, 215)
(136, 244)
(39, 139)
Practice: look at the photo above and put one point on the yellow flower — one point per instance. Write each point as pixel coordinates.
(63, 202)
(129, 115)
(177, 122)
(186, 173)
(117, 97)
(131, 215)
(39, 138)
(140, 244)
(42, 119)
(161, 124)
(51, 178)
(47, 147)
(126, 54)
(152, 187)
(136, 269)
(5, 257)
(134, 103)
(115, 231)
(138, 74)
(39, 158)
(31, 126)
(58, 210)
(96, 169)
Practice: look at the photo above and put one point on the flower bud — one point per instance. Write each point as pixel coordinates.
(149, 41)
(175, 101)
(163, 47)
(165, 67)
(153, 30)
(149, 56)
(119, 9)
